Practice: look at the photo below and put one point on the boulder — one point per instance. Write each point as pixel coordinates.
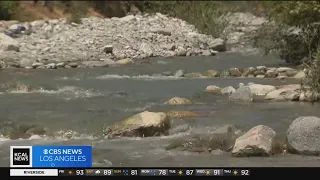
(213, 89)
(271, 73)
(181, 114)
(258, 141)
(217, 45)
(248, 71)
(125, 61)
(143, 124)
(181, 51)
(211, 73)
(8, 44)
(261, 68)
(260, 76)
(286, 71)
(73, 65)
(287, 92)
(259, 89)
(228, 90)
(178, 101)
(303, 136)
(235, 72)
(24, 62)
(242, 94)
(300, 75)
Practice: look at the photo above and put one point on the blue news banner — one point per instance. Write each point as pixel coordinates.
(61, 156)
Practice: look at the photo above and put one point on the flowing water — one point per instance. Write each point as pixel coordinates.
(87, 100)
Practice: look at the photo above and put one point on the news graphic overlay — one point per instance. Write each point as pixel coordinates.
(51, 156)
(20, 156)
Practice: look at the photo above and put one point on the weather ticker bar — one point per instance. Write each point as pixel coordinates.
(129, 172)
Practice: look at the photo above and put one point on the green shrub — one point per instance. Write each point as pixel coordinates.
(7, 9)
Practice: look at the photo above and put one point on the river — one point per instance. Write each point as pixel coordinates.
(87, 100)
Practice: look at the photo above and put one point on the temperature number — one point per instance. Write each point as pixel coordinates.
(162, 172)
(79, 172)
(134, 172)
(245, 172)
(189, 172)
(107, 172)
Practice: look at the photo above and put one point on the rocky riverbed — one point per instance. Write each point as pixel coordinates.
(201, 107)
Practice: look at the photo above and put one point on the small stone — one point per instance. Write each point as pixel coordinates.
(179, 73)
(211, 73)
(235, 72)
(228, 90)
(37, 64)
(61, 64)
(213, 89)
(181, 51)
(24, 62)
(73, 65)
(51, 66)
(108, 49)
(261, 68)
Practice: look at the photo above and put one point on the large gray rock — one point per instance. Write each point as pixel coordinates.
(258, 141)
(303, 136)
(217, 45)
(228, 90)
(260, 89)
(8, 44)
(143, 124)
(242, 94)
(286, 92)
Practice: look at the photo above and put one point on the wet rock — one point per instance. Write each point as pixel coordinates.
(225, 73)
(286, 71)
(211, 73)
(17, 131)
(181, 114)
(300, 75)
(193, 75)
(257, 73)
(213, 89)
(36, 65)
(228, 90)
(240, 85)
(303, 136)
(287, 92)
(242, 94)
(248, 71)
(73, 65)
(61, 65)
(178, 101)
(207, 53)
(144, 124)
(179, 73)
(261, 90)
(217, 45)
(24, 62)
(181, 51)
(8, 44)
(235, 72)
(179, 129)
(261, 68)
(167, 73)
(257, 141)
(108, 49)
(271, 73)
(51, 66)
(125, 61)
